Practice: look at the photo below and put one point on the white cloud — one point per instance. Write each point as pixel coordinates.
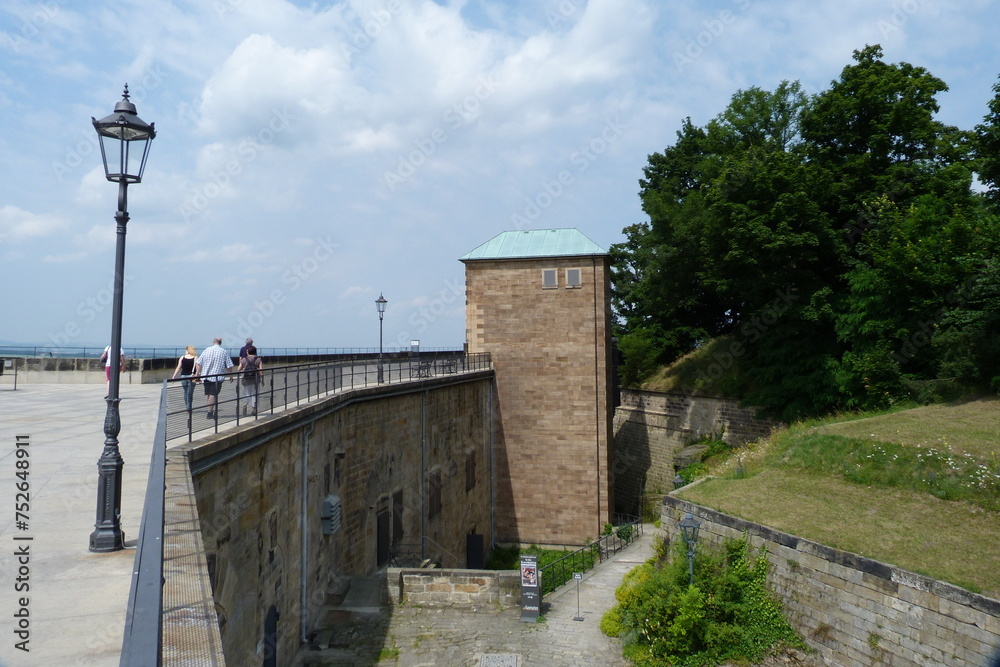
(264, 86)
(278, 122)
(234, 252)
(356, 291)
(17, 224)
(67, 258)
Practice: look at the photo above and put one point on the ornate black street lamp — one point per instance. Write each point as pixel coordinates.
(689, 529)
(125, 140)
(380, 305)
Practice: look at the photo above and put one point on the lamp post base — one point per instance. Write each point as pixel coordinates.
(104, 541)
(108, 534)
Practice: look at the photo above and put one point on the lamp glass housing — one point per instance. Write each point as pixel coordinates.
(689, 528)
(380, 303)
(125, 139)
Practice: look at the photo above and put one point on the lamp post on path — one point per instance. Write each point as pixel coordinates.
(689, 529)
(380, 305)
(124, 139)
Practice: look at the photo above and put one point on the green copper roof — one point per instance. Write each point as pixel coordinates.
(536, 243)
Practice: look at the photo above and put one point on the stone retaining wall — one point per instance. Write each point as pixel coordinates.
(858, 611)
(651, 427)
(454, 588)
(294, 503)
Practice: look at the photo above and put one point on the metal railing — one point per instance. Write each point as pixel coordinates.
(143, 636)
(627, 530)
(241, 400)
(426, 552)
(142, 640)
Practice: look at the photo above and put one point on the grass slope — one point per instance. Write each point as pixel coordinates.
(709, 370)
(917, 488)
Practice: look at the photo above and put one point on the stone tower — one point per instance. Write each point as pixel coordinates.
(539, 302)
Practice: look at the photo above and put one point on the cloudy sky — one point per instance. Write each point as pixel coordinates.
(312, 155)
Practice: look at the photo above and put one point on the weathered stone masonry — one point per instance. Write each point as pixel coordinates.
(651, 427)
(258, 487)
(551, 350)
(855, 610)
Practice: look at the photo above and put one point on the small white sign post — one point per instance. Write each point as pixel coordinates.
(579, 577)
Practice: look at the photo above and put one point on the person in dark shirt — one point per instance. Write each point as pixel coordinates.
(184, 370)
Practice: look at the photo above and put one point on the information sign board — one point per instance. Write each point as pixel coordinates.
(531, 588)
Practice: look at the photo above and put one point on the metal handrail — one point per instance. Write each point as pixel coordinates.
(457, 565)
(143, 635)
(284, 386)
(596, 552)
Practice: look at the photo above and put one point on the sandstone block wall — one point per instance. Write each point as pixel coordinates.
(858, 611)
(473, 589)
(551, 352)
(396, 455)
(651, 427)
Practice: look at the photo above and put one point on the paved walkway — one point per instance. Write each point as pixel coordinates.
(427, 637)
(76, 599)
(460, 638)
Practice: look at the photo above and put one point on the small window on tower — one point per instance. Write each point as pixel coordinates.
(550, 279)
(573, 279)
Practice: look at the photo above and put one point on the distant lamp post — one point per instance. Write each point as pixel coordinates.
(689, 529)
(678, 481)
(124, 139)
(380, 305)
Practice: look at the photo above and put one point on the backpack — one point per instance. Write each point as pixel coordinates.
(250, 374)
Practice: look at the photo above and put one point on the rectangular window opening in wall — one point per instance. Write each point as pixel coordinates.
(434, 494)
(573, 280)
(550, 279)
(470, 471)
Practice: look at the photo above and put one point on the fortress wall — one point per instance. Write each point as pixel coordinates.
(411, 460)
(650, 428)
(858, 611)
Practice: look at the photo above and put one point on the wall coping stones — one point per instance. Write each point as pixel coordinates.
(464, 589)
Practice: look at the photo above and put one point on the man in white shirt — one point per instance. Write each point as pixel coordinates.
(214, 361)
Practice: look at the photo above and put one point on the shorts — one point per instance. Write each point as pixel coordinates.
(107, 373)
(212, 388)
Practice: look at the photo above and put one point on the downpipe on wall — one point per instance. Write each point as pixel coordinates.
(303, 528)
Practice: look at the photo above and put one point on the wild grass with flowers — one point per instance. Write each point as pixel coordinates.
(872, 462)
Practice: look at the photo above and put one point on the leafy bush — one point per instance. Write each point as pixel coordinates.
(728, 614)
(611, 622)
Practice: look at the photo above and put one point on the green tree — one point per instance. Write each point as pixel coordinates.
(827, 236)
(987, 147)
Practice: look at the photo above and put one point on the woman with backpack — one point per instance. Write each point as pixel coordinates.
(251, 378)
